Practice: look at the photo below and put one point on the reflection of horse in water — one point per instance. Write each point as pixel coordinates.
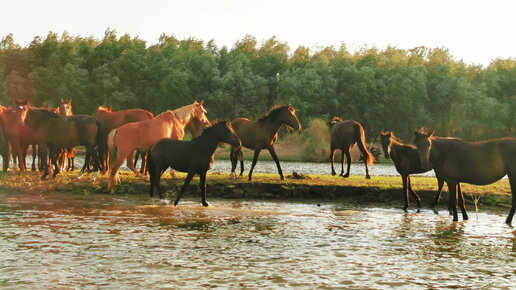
(142, 135)
(53, 133)
(111, 120)
(344, 135)
(194, 156)
(262, 134)
(479, 163)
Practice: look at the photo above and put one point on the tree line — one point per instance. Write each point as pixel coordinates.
(390, 89)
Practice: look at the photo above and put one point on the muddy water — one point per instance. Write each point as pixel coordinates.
(98, 241)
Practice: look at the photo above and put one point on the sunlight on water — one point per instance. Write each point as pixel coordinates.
(65, 240)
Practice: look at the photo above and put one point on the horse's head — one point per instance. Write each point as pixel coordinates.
(289, 117)
(228, 134)
(386, 142)
(423, 142)
(24, 102)
(65, 109)
(334, 121)
(199, 113)
(20, 113)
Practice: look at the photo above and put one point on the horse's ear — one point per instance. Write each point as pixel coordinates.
(431, 135)
(389, 134)
(62, 101)
(202, 101)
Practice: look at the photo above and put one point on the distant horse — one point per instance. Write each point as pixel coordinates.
(194, 157)
(478, 163)
(54, 133)
(19, 135)
(4, 142)
(344, 135)
(65, 110)
(262, 134)
(407, 162)
(123, 140)
(112, 120)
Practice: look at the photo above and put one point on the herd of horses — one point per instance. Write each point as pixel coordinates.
(112, 137)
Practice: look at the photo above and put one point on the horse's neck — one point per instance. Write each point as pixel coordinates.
(395, 145)
(207, 143)
(273, 126)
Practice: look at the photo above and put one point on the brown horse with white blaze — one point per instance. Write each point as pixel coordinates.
(478, 163)
(65, 110)
(262, 134)
(344, 135)
(142, 135)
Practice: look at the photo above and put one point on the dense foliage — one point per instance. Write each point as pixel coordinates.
(391, 89)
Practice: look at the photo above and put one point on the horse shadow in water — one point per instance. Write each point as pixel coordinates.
(54, 133)
(194, 156)
(406, 161)
(344, 135)
(262, 134)
(479, 163)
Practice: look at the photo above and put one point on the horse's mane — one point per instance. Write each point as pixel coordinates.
(336, 119)
(211, 127)
(180, 113)
(273, 112)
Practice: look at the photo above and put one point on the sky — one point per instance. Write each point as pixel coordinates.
(473, 31)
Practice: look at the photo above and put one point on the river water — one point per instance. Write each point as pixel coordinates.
(65, 240)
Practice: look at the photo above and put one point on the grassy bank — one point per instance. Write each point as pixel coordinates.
(356, 189)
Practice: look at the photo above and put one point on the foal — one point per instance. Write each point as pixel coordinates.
(194, 156)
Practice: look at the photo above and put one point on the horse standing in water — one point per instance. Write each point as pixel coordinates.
(194, 156)
(406, 161)
(262, 134)
(123, 140)
(344, 135)
(65, 110)
(54, 133)
(478, 163)
(112, 120)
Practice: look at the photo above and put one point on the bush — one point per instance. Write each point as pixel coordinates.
(317, 141)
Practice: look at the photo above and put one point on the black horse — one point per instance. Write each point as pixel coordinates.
(194, 156)
(478, 163)
(54, 133)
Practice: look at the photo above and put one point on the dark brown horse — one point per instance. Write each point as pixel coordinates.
(65, 110)
(262, 134)
(406, 161)
(194, 156)
(478, 163)
(344, 135)
(54, 133)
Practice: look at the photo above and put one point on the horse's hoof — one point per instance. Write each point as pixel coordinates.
(418, 210)
(405, 209)
(333, 173)
(205, 204)
(368, 177)
(345, 175)
(232, 175)
(282, 178)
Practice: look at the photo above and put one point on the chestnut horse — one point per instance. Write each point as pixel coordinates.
(407, 162)
(54, 133)
(262, 134)
(19, 135)
(112, 120)
(194, 156)
(123, 140)
(344, 135)
(65, 110)
(478, 163)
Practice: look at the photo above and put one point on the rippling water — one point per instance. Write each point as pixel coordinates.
(69, 240)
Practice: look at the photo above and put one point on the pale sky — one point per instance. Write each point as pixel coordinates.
(474, 31)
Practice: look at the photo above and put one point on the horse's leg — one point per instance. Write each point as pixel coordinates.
(234, 159)
(437, 196)
(343, 156)
(367, 169)
(255, 158)
(405, 192)
(461, 202)
(275, 157)
(130, 164)
(414, 194)
(34, 153)
(348, 160)
(452, 190)
(187, 181)
(43, 151)
(54, 155)
(512, 181)
(202, 185)
(332, 157)
(241, 158)
(143, 169)
(113, 170)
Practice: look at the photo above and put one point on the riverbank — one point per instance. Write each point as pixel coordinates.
(314, 188)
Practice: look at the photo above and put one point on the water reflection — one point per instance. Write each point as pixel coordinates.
(66, 240)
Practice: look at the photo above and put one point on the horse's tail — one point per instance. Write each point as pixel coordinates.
(111, 146)
(361, 142)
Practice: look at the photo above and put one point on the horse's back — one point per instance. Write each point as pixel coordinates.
(343, 134)
(142, 134)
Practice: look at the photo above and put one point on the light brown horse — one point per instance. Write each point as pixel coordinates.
(344, 135)
(112, 120)
(142, 135)
(478, 163)
(262, 134)
(65, 110)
